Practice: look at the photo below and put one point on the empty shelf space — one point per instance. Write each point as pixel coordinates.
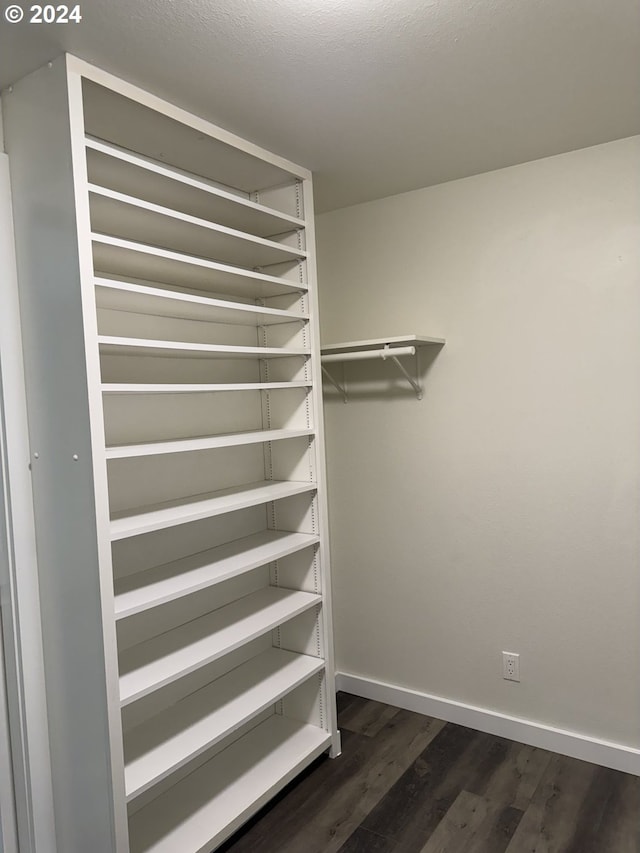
(200, 388)
(202, 810)
(111, 345)
(164, 659)
(121, 215)
(170, 740)
(173, 136)
(124, 171)
(188, 445)
(184, 510)
(131, 259)
(143, 299)
(161, 584)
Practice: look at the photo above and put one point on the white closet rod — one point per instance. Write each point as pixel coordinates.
(387, 352)
(358, 355)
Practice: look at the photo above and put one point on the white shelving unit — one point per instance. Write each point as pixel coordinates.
(392, 348)
(174, 389)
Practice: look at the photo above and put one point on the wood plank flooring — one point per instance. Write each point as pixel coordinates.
(406, 783)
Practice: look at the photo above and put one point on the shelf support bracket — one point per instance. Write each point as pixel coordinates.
(338, 387)
(415, 384)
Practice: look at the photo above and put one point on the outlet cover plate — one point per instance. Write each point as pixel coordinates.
(511, 666)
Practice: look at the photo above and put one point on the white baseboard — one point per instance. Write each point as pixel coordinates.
(607, 754)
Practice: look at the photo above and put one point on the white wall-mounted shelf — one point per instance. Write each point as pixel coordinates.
(391, 348)
(380, 344)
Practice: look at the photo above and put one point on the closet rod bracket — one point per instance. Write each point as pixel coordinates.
(415, 383)
(342, 390)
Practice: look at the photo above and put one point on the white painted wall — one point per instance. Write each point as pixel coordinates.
(501, 512)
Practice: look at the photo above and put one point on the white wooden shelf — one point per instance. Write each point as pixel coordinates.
(185, 510)
(114, 256)
(202, 810)
(113, 345)
(210, 442)
(120, 215)
(153, 664)
(170, 581)
(184, 731)
(143, 299)
(124, 171)
(380, 343)
(200, 388)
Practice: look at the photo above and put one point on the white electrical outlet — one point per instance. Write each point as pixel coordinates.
(511, 666)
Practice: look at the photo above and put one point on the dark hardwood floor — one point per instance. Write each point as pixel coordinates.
(406, 783)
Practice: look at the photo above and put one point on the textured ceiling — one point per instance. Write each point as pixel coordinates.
(375, 96)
